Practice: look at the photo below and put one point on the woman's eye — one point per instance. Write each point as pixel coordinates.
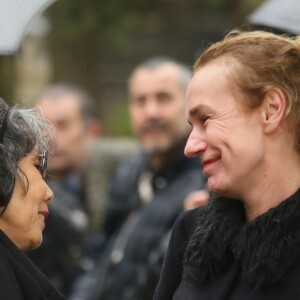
(204, 118)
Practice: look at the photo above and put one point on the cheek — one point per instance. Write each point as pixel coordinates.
(241, 155)
(177, 111)
(181, 117)
(73, 141)
(17, 199)
(37, 190)
(136, 121)
(216, 135)
(176, 120)
(231, 135)
(76, 132)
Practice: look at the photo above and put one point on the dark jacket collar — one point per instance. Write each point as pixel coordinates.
(32, 282)
(175, 163)
(265, 247)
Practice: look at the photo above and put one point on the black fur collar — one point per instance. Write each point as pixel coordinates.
(265, 247)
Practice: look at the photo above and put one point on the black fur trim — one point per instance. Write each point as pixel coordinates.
(265, 247)
(208, 251)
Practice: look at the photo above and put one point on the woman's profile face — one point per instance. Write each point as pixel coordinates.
(24, 218)
(228, 138)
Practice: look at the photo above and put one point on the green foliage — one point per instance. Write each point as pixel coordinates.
(7, 73)
(113, 21)
(107, 20)
(119, 121)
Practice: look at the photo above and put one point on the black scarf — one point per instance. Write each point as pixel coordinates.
(265, 247)
(32, 283)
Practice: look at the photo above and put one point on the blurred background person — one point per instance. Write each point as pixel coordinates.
(149, 188)
(25, 140)
(76, 126)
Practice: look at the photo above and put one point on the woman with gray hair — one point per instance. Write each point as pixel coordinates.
(25, 140)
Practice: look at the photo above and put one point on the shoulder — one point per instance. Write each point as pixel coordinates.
(183, 228)
(9, 287)
(135, 160)
(172, 270)
(128, 171)
(185, 224)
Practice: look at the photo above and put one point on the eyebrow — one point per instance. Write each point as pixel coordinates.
(199, 108)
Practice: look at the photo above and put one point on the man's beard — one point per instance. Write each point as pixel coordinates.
(169, 139)
(154, 124)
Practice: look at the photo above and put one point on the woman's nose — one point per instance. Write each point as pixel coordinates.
(49, 194)
(196, 143)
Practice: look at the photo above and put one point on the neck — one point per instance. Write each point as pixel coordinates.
(279, 180)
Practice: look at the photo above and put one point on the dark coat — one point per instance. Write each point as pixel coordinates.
(137, 274)
(20, 279)
(215, 254)
(129, 269)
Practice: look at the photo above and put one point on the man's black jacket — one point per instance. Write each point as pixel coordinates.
(138, 233)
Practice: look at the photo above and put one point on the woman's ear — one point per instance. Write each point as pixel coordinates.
(274, 105)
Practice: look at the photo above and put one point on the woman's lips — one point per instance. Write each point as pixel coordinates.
(43, 215)
(208, 162)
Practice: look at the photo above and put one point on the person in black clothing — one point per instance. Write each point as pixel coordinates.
(25, 140)
(245, 244)
(149, 188)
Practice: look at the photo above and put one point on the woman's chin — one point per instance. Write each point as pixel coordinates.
(35, 243)
(214, 186)
(217, 189)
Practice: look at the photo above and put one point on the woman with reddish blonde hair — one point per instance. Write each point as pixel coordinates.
(244, 107)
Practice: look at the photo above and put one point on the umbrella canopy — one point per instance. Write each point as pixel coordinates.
(280, 14)
(15, 15)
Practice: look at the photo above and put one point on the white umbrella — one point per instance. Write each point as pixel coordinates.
(279, 14)
(15, 15)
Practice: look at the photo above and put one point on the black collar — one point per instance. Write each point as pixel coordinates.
(265, 247)
(176, 163)
(32, 282)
